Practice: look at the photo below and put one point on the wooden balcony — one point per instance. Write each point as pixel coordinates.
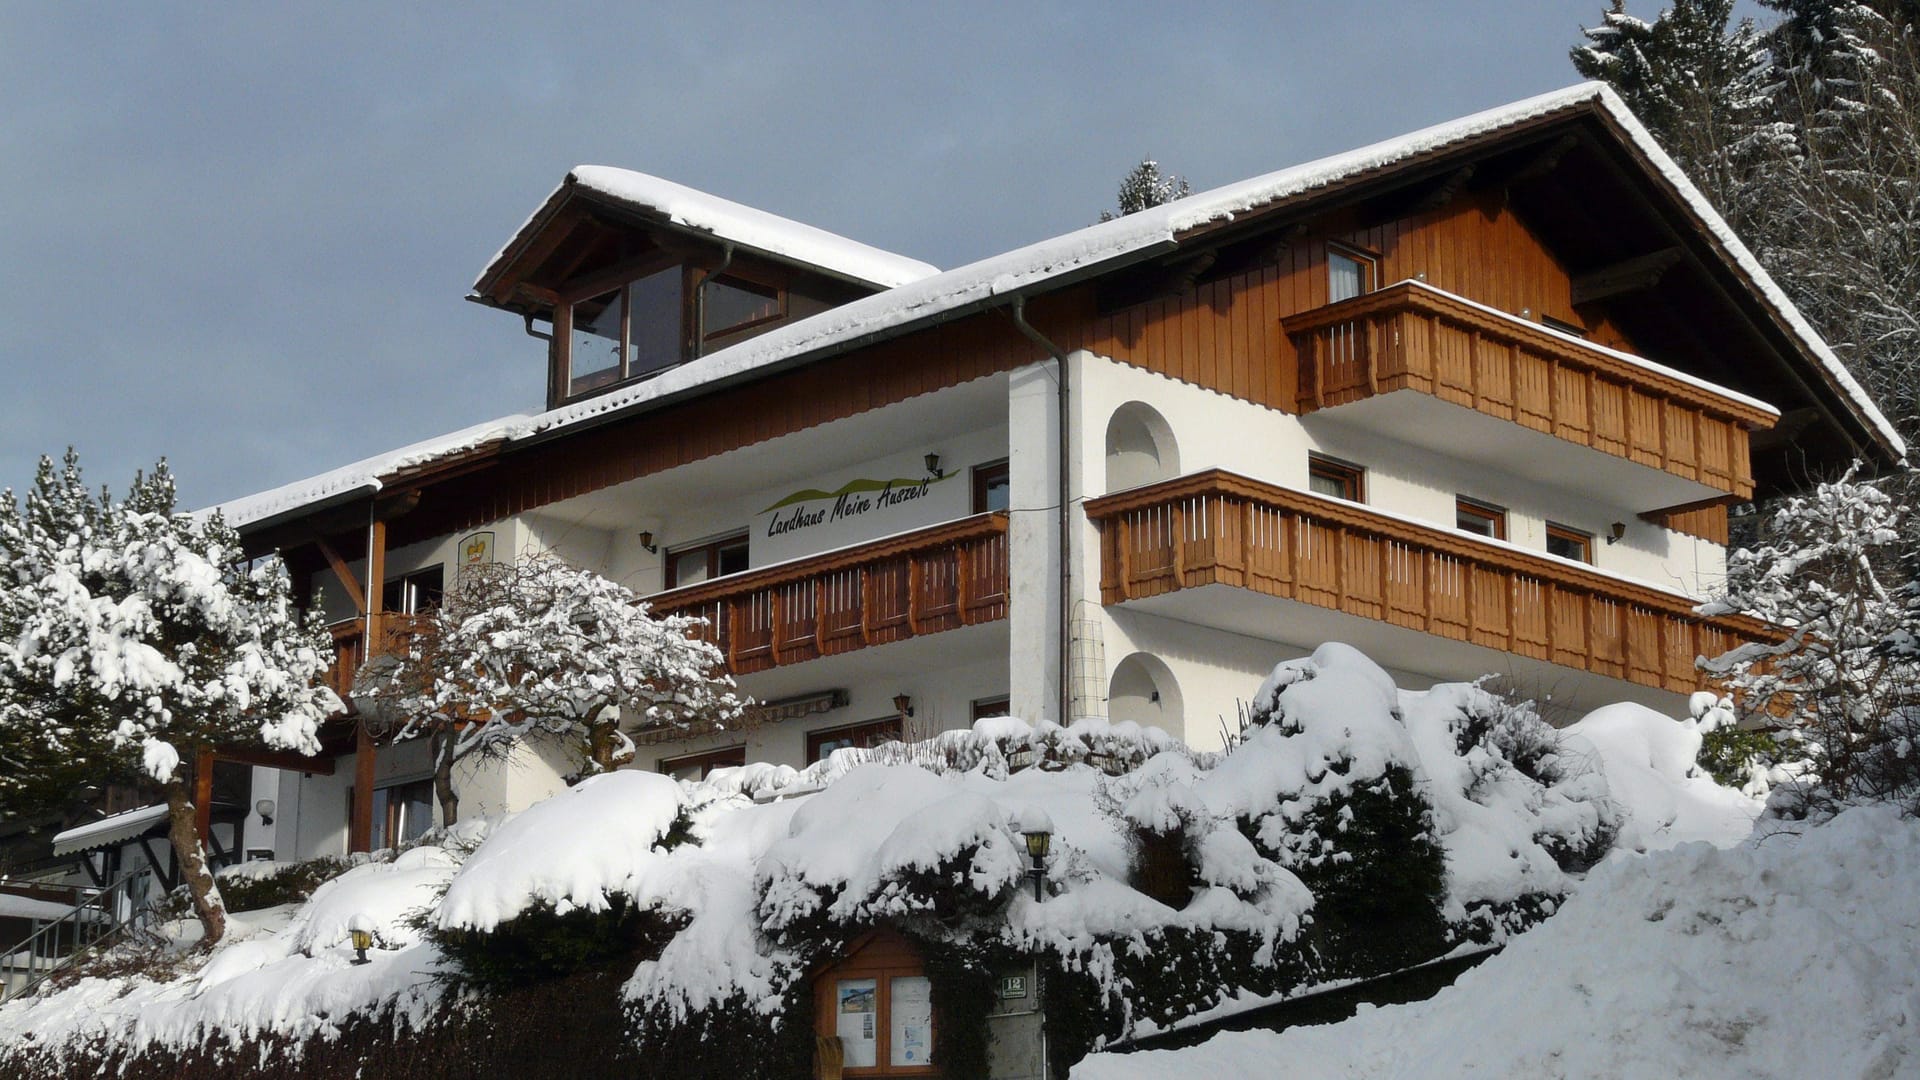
(1217, 528)
(350, 647)
(1413, 337)
(904, 586)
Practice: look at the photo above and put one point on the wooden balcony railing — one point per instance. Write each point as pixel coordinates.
(1412, 336)
(1218, 528)
(904, 586)
(350, 646)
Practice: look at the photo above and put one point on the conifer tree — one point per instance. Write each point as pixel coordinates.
(1145, 187)
(133, 637)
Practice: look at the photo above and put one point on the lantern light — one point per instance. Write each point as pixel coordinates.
(1037, 828)
(360, 929)
(265, 808)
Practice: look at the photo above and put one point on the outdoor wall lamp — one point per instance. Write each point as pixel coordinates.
(1619, 532)
(265, 809)
(903, 704)
(933, 466)
(360, 929)
(1037, 828)
(646, 541)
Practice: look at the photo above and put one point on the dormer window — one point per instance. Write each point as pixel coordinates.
(625, 333)
(731, 304)
(646, 325)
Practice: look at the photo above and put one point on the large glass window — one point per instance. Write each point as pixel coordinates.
(731, 303)
(598, 326)
(402, 813)
(626, 332)
(654, 337)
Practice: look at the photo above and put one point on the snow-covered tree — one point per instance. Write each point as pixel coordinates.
(1839, 680)
(1806, 137)
(133, 637)
(1689, 76)
(1145, 187)
(536, 646)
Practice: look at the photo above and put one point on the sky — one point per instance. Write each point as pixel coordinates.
(240, 236)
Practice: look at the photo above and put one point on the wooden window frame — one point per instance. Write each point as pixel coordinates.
(1485, 511)
(1350, 476)
(389, 822)
(1369, 263)
(882, 958)
(725, 757)
(978, 709)
(983, 478)
(752, 282)
(404, 580)
(1563, 532)
(890, 728)
(1564, 327)
(713, 549)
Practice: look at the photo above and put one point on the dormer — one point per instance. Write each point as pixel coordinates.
(633, 275)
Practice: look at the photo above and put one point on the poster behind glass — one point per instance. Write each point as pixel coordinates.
(910, 1030)
(856, 1019)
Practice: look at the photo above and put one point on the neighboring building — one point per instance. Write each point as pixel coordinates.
(1475, 401)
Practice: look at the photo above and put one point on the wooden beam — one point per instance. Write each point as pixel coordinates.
(1625, 276)
(360, 822)
(275, 759)
(1444, 193)
(203, 797)
(614, 276)
(1545, 161)
(340, 572)
(1689, 507)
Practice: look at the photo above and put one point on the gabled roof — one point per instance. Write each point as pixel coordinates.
(1075, 256)
(752, 230)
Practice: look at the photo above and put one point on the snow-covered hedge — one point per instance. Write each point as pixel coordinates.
(1354, 829)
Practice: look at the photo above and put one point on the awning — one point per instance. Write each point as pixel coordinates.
(108, 831)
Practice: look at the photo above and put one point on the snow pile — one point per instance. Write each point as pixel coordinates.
(1789, 955)
(577, 849)
(1648, 760)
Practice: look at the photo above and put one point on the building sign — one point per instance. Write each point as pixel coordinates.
(476, 549)
(835, 514)
(811, 507)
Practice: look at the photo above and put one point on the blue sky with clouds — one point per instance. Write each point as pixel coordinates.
(239, 235)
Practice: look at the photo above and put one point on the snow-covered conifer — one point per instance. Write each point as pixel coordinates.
(1823, 573)
(132, 638)
(1145, 187)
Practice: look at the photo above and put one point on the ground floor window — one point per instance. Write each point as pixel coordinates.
(402, 813)
(993, 706)
(873, 733)
(697, 766)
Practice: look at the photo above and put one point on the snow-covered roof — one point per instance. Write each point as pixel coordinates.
(1055, 262)
(736, 223)
(109, 830)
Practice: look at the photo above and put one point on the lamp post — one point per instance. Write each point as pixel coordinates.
(360, 929)
(1037, 828)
